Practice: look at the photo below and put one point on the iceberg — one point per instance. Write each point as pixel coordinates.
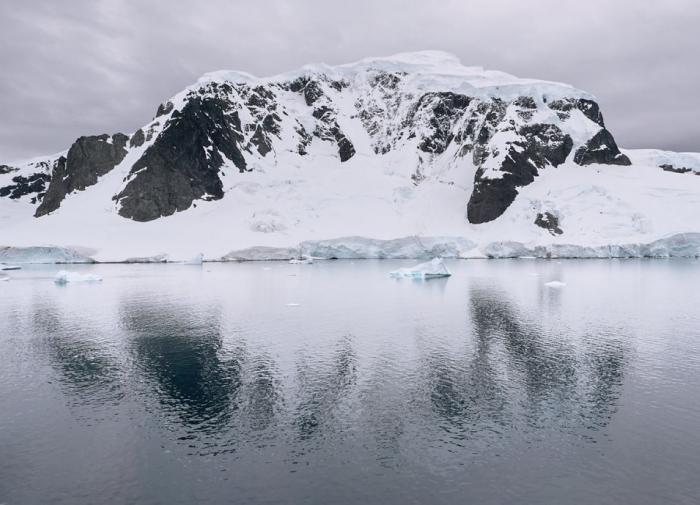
(197, 260)
(64, 277)
(304, 260)
(555, 284)
(429, 270)
(158, 258)
(9, 267)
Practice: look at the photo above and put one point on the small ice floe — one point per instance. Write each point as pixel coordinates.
(293, 304)
(555, 284)
(197, 260)
(64, 277)
(9, 267)
(429, 270)
(4, 278)
(304, 260)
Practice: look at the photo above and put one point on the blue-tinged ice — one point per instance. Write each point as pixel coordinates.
(429, 270)
(64, 277)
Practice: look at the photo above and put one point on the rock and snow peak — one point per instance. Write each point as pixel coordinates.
(408, 145)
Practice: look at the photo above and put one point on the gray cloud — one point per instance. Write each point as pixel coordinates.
(86, 66)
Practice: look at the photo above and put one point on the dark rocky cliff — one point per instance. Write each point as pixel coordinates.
(226, 125)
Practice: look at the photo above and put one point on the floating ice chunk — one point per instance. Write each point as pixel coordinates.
(293, 304)
(64, 277)
(197, 260)
(304, 260)
(428, 270)
(555, 284)
(9, 267)
(4, 278)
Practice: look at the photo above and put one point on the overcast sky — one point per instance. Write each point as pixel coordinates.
(71, 68)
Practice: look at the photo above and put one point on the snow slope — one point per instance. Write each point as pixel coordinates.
(416, 160)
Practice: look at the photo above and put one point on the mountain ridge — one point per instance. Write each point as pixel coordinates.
(413, 122)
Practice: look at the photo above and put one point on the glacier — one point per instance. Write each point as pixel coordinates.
(44, 254)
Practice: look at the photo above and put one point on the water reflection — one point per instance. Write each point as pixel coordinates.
(516, 373)
(555, 384)
(477, 389)
(179, 349)
(604, 386)
(85, 365)
(322, 387)
(261, 393)
(466, 392)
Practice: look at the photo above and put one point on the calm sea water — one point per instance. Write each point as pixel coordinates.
(332, 383)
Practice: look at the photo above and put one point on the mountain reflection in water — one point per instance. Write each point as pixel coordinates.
(483, 385)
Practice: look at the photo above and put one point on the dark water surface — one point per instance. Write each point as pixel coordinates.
(332, 383)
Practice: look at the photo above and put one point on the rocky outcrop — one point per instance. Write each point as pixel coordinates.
(88, 159)
(549, 222)
(589, 108)
(6, 169)
(183, 163)
(137, 139)
(327, 129)
(601, 148)
(261, 102)
(324, 112)
(538, 145)
(164, 108)
(26, 185)
(443, 110)
(666, 167)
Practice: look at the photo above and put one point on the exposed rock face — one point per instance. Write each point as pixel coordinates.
(601, 148)
(6, 169)
(549, 222)
(88, 159)
(182, 165)
(262, 105)
(164, 108)
(589, 108)
(538, 145)
(137, 139)
(327, 127)
(676, 170)
(427, 119)
(22, 186)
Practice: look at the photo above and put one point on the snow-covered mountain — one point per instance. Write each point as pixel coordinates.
(414, 145)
